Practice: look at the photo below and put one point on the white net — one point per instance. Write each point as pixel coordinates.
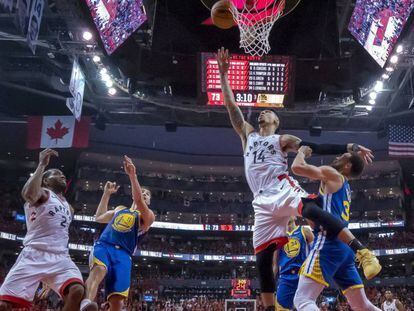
(255, 19)
(240, 305)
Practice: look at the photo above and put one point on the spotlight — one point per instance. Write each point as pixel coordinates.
(373, 95)
(96, 59)
(394, 59)
(385, 76)
(103, 70)
(389, 69)
(111, 91)
(369, 108)
(372, 101)
(109, 83)
(378, 86)
(399, 49)
(105, 77)
(87, 35)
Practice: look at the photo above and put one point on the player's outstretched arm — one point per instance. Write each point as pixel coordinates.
(242, 127)
(102, 214)
(326, 174)
(147, 215)
(290, 143)
(32, 191)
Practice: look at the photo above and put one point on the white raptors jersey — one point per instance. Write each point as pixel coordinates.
(264, 161)
(48, 224)
(389, 306)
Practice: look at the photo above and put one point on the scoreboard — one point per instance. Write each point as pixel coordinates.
(256, 81)
(240, 288)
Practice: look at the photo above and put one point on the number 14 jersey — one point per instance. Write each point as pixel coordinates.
(264, 161)
(48, 224)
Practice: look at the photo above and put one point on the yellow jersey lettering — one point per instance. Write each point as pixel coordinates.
(345, 214)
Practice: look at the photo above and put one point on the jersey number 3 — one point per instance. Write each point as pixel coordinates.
(258, 157)
(345, 214)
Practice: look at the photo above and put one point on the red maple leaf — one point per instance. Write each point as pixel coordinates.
(58, 131)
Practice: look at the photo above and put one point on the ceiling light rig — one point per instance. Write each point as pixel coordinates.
(112, 91)
(87, 35)
(379, 84)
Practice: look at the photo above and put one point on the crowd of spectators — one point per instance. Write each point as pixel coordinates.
(204, 299)
(98, 171)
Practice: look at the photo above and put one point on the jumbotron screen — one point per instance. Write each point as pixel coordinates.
(378, 24)
(256, 81)
(116, 20)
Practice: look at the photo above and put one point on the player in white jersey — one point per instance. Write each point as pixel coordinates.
(45, 256)
(277, 196)
(391, 304)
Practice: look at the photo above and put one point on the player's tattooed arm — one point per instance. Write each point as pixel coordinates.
(146, 214)
(32, 191)
(237, 120)
(102, 214)
(290, 143)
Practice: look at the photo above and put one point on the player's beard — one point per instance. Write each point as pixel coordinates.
(58, 186)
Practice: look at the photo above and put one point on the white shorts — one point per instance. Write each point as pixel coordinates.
(272, 210)
(33, 266)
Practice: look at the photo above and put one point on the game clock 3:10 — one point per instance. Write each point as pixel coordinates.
(245, 97)
(240, 98)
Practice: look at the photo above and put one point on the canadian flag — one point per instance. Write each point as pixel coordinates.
(57, 132)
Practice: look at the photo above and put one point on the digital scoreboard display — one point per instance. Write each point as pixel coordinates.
(256, 81)
(378, 24)
(240, 288)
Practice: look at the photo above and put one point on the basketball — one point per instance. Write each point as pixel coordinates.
(221, 14)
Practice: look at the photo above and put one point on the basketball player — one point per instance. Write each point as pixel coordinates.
(330, 260)
(277, 196)
(113, 251)
(391, 304)
(288, 260)
(45, 256)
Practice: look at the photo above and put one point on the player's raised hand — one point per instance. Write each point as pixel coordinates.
(44, 156)
(306, 150)
(366, 154)
(110, 187)
(223, 60)
(129, 166)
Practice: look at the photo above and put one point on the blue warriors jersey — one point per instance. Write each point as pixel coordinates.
(123, 230)
(291, 258)
(293, 254)
(338, 203)
(331, 261)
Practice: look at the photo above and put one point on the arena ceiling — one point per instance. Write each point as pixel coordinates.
(164, 54)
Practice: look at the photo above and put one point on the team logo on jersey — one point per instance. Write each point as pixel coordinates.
(292, 248)
(124, 222)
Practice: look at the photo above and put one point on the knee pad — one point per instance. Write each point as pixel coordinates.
(264, 261)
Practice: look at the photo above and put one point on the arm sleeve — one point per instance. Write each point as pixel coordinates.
(325, 148)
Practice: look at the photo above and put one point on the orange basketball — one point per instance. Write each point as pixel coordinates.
(221, 14)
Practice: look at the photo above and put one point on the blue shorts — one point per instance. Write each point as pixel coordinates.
(286, 289)
(331, 261)
(118, 264)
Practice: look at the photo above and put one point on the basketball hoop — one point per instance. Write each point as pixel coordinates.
(255, 19)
